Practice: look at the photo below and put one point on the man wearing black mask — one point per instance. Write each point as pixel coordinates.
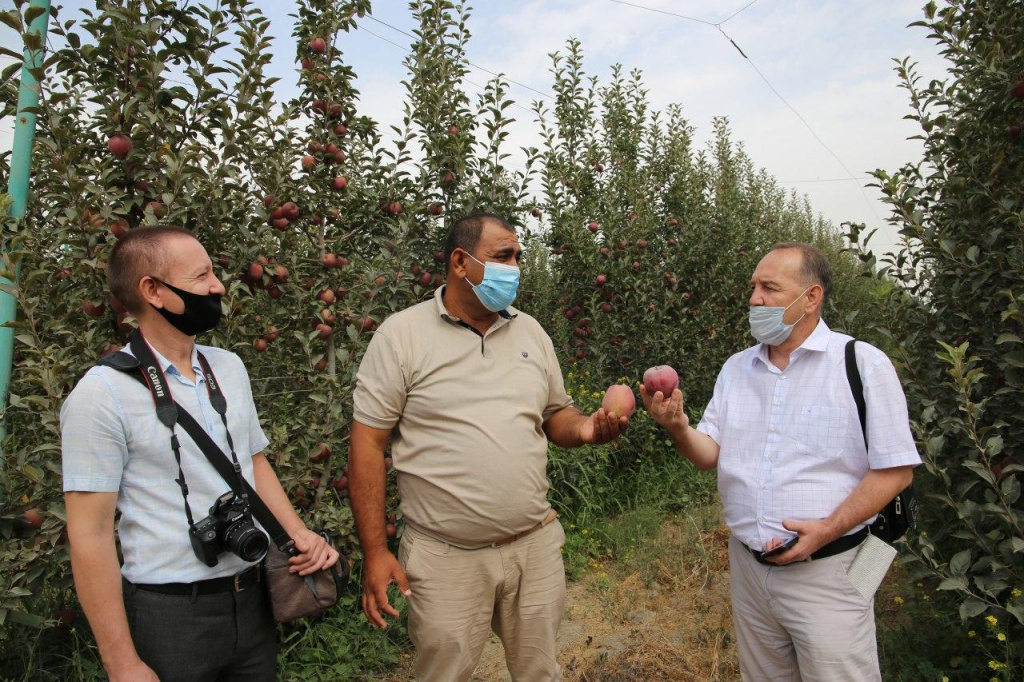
(165, 613)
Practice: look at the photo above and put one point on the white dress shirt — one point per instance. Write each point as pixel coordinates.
(791, 446)
(112, 441)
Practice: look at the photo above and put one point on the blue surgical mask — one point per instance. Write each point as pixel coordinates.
(498, 288)
(767, 325)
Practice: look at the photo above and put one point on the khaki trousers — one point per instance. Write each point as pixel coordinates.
(460, 596)
(801, 622)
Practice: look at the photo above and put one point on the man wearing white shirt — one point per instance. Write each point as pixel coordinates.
(165, 614)
(783, 430)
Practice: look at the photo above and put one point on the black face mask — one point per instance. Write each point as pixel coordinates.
(202, 313)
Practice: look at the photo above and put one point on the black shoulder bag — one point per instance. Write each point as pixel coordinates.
(291, 596)
(900, 514)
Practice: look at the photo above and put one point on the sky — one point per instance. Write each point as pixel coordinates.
(831, 110)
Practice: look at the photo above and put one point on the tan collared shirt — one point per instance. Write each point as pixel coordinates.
(467, 413)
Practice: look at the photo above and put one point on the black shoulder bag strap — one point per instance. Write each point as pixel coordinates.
(170, 413)
(898, 515)
(853, 376)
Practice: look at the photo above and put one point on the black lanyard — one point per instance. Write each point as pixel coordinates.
(167, 410)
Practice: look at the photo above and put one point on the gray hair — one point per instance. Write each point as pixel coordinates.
(815, 268)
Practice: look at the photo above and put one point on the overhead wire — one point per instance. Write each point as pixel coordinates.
(718, 27)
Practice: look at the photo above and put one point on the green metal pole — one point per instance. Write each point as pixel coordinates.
(21, 158)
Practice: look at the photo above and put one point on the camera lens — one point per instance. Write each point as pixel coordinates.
(247, 541)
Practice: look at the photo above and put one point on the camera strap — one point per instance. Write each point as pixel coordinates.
(146, 370)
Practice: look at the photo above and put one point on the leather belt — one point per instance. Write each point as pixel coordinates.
(552, 515)
(230, 583)
(843, 544)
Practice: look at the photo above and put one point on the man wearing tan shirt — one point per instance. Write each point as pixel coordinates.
(469, 391)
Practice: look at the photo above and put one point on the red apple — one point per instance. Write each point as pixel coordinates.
(536, 213)
(260, 345)
(619, 399)
(340, 130)
(340, 484)
(436, 209)
(158, 209)
(308, 162)
(318, 45)
(327, 296)
(255, 271)
(339, 183)
(32, 518)
(320, 365)
(272, 334)
(593, 226)
(93, 309)
(661, 378)
(119, 228)
(339, 157)
(601, 280)
(453, 130)
(323, 330)
(280, 223)
(672, 222)
(120, 145)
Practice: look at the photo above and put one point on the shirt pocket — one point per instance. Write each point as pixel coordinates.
(822, 429)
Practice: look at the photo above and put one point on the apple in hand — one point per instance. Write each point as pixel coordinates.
(661, 378)
(619, 399)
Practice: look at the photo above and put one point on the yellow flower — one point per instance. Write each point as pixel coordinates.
(994, 665)
(972, 634)
(926, 598)
(585, 531)
(898, 600)
(1016, 592)
(1001, 637)
(945, 679)
(991, 620)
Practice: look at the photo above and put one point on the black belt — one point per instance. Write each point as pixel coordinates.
(230, 583)
(847, 542)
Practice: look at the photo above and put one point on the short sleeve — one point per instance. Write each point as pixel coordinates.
(258, 440)
(380, 392)
(94, 448)
(558, 398)
(890, 441)
(710, 423)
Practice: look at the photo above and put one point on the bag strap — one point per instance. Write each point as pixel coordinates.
(214, 454)
(857, 387)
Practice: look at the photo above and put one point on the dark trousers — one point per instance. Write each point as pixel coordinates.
(213, 638)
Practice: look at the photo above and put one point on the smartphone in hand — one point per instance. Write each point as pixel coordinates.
(781, 548)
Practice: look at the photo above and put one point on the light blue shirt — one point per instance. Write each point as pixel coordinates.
(112, 441)
(791, 446)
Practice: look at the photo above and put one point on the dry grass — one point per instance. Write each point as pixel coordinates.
(660, 611)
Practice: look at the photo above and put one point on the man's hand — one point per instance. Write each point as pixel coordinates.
(136, 671)
(314, 553)
(602, 426)
(667, 411)
(380, 569)
(813, 536)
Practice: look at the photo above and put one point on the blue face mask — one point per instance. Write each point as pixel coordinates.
(498, 288)
(767, 325)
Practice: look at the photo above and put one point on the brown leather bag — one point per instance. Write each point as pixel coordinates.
(294, 596)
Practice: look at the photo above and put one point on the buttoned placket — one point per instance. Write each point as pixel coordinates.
(770, 455)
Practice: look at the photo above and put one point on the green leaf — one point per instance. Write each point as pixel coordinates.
(972, 608)
(958, 583)
(959, 563)
(1007, 337)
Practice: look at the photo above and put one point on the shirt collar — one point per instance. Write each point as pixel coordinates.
(817, 341)
(168, 368)
(509, 313)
